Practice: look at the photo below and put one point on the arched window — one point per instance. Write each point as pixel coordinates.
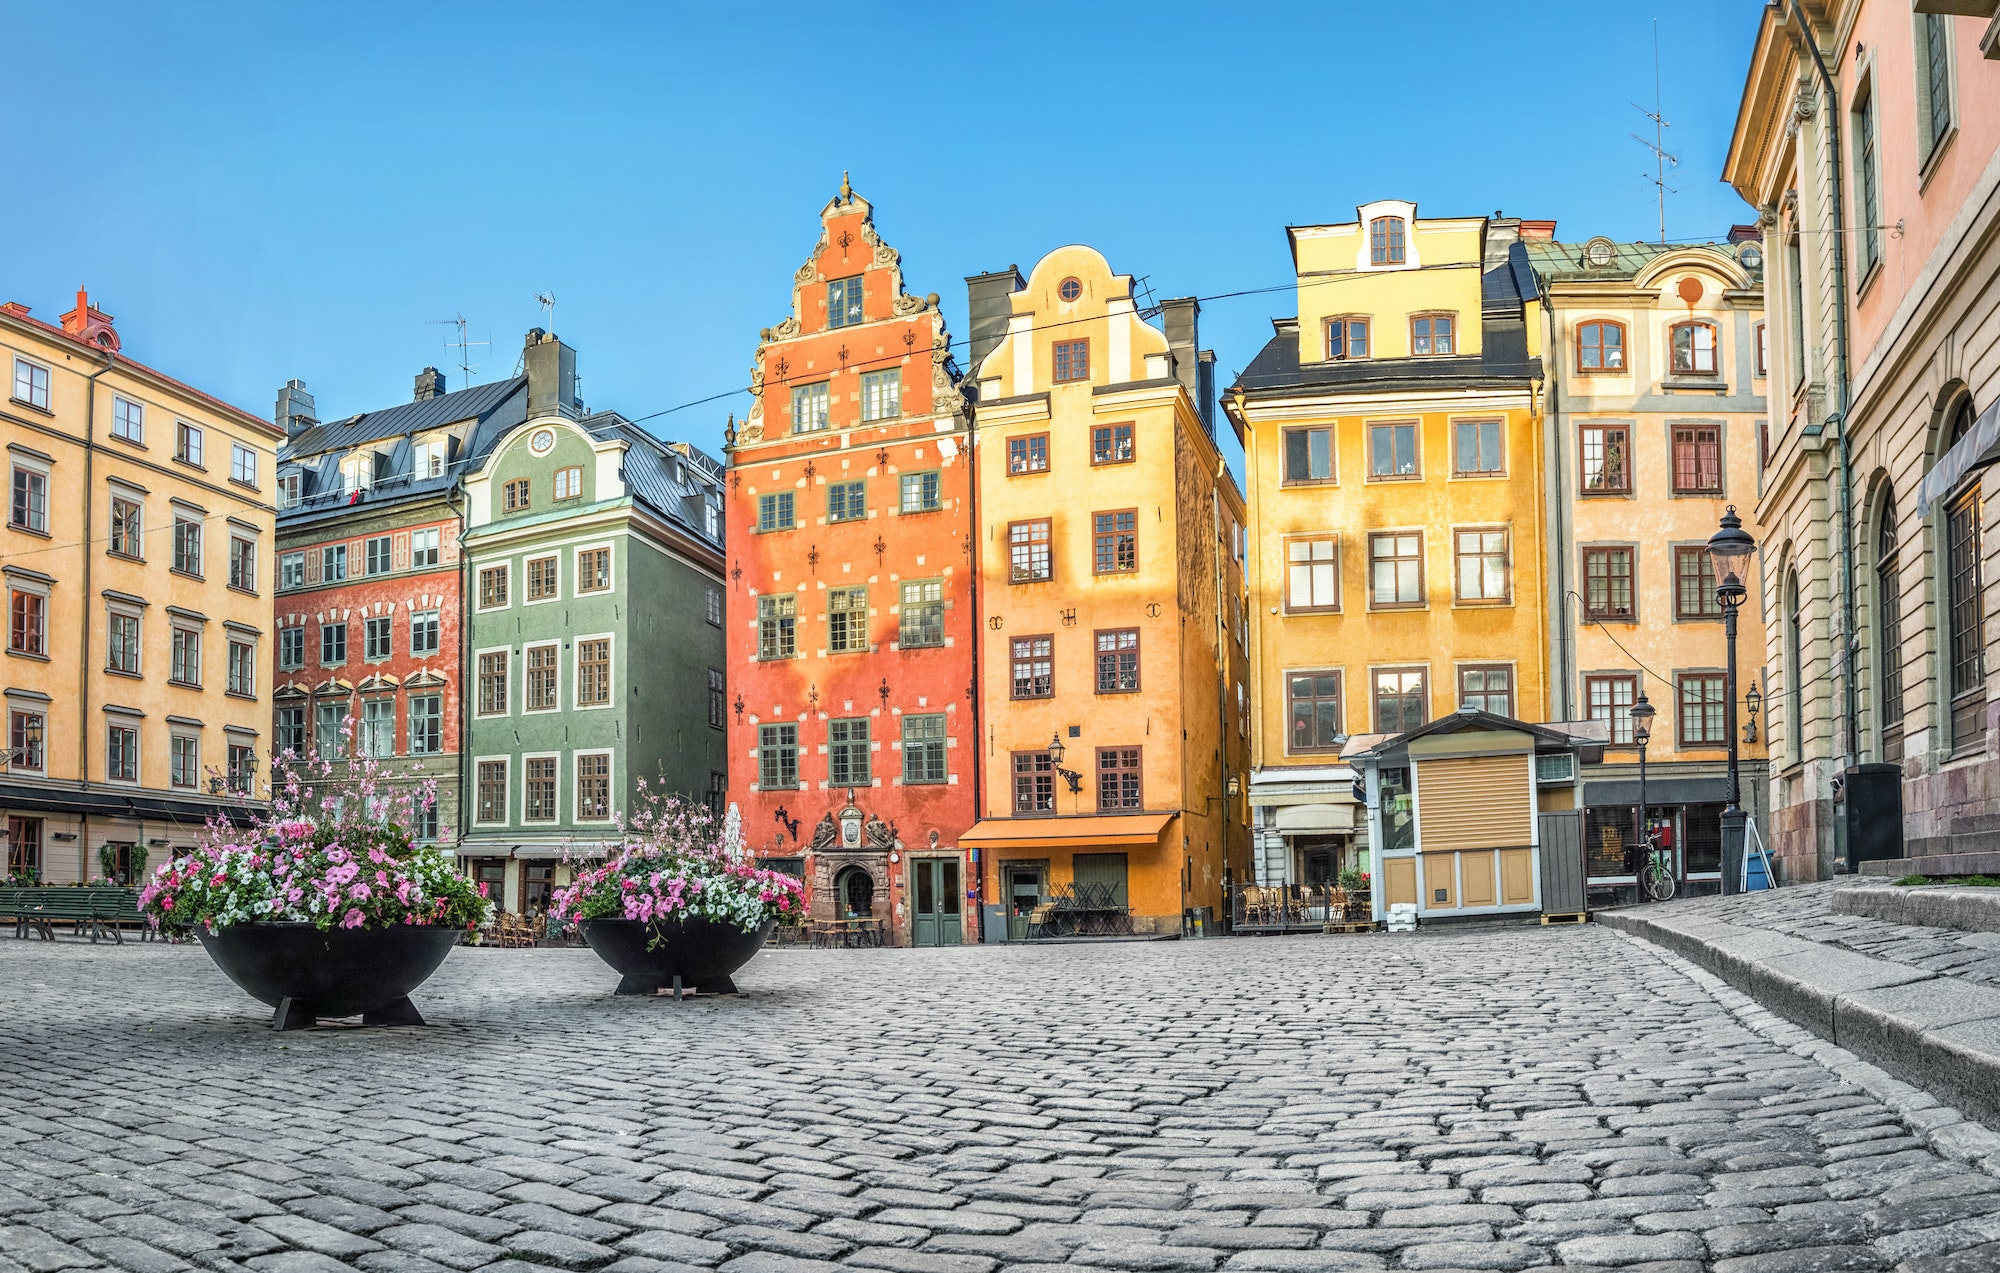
(1889, 631)
(1964, 606)
(1385, 241)
(854, 893)
(1795, 666)
(1694, 349)
(1600, 346)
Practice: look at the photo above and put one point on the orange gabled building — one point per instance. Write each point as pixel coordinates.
(851, 610)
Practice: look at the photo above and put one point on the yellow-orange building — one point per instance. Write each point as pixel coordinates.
(1395, 473)
(139, 527)
(1112, 662)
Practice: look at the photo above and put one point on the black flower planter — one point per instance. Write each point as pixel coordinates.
(306, 973)
(681, 954)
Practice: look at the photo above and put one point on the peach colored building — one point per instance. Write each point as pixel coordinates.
(1869, 140)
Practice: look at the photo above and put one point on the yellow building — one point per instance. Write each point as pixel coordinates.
(1113, 662)
(1395, 475)
(1655, 425)
(138, 675)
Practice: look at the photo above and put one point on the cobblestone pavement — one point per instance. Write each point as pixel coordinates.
(1806, 912)
(1483, 1100)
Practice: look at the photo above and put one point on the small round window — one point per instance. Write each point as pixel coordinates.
(1069, 289)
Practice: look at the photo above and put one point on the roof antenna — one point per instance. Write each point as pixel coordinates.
(547, 300)
(1662, 159)
(462, 343)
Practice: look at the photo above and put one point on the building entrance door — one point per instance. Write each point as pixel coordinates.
(935, 920)
(1023, 885)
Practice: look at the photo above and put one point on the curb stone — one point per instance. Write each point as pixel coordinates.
(1944, 1129)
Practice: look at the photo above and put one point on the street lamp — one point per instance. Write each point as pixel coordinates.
(29, 753)
(1070, 776)
(1729, 549)
(1642, 714)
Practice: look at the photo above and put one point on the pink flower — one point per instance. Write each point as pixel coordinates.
(353, 919)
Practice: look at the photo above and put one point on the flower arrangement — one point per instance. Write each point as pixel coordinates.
(669, 864)
(335, 850)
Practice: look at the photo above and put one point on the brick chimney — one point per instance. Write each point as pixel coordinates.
(90, 324)
(430, 384)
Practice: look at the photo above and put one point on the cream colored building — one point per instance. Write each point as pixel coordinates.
(1654, 417)
(136, 561)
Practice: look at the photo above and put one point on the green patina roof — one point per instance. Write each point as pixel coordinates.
(1564, 262)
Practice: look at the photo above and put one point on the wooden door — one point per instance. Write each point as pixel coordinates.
(935, 915)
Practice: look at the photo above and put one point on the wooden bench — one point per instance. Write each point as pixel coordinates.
(96, 910)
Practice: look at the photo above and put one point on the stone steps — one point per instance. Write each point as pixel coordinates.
(1967, 910)
(1970, 860)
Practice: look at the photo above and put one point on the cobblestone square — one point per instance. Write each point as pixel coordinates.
(1497, 1099)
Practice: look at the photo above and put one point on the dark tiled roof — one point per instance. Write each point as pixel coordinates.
(496, 409)
(671, 478)
(403, 419)
(1504, 362)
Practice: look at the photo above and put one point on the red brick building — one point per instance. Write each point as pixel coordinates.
(851, 613)
(370, 579)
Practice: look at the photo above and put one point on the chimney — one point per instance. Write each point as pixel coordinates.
(1181, 317)
(430, 384)
(1538, 231)
(551, 376)
(1204, 397)
(1502, 233)
(90, 324)
(986, 296)
(295, 409)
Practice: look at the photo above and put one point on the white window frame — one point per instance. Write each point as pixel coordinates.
(241, 459)
(249, 545)
(478, 586)
(426, 548)
(369, 622)
(436, 623)
(473, 686)
(368, 545)
(291, 488)
(115, 720)
(37, 386)
(610, 793)
(285, 665)
(128, 420)
(555, 596)
(34, 468)
(123, 610)
(236, 642)
(175, 736)
(556, 666)
(506, 764)
(365, 733)
(410, 721)
(184, 634)
(288, 578)
(610, 673)
(556, 816)
(610, 574)
(190, 443)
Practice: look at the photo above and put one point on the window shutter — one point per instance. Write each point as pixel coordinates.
(312, 565)
(402, 550)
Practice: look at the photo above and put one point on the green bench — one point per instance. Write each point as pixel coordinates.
(98, 911)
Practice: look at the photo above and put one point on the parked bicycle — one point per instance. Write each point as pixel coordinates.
(1656, 872)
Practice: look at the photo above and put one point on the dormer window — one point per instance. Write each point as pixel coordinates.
(1346, 337)
(430, 459)
(1694, 349)
(289, 487)
(357, 472)
(1385, 241)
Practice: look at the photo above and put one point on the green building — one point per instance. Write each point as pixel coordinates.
(594, 650)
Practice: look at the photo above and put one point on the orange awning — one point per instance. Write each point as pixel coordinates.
(1118, 830)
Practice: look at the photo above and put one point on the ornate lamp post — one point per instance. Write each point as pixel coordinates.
(1643, 713)
(30, 754)
(1730, 549)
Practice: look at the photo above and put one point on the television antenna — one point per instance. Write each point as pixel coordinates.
(1663, 159)
(463, 345)
(547, 300)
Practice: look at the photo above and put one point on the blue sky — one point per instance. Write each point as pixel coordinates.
(262, 192)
